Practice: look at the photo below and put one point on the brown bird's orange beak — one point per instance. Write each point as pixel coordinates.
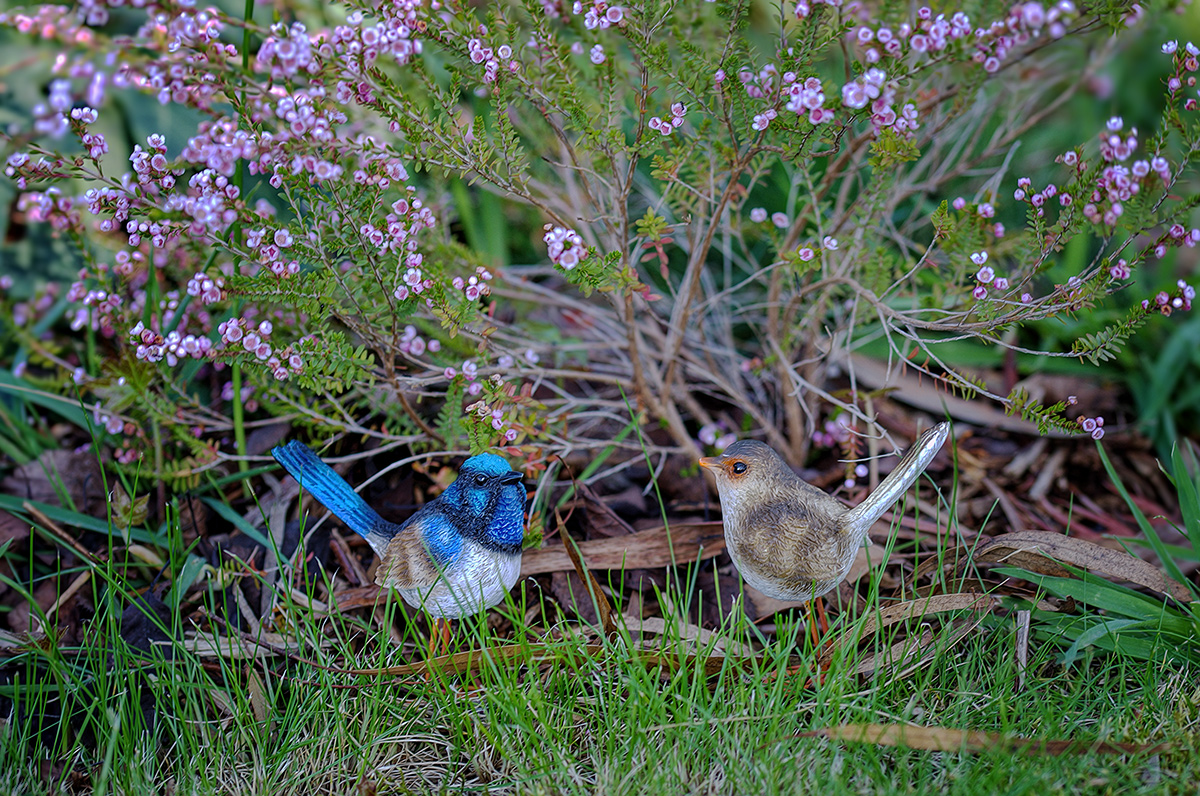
(710, 462)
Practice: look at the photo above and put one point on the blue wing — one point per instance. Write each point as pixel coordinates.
(319, 479)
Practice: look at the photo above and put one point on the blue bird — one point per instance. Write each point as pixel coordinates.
(458, 555)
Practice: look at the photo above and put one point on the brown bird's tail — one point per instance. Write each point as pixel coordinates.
(858, 520)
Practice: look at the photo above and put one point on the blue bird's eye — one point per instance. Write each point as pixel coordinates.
(480, 479)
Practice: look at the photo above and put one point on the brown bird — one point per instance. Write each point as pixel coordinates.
(790, 540)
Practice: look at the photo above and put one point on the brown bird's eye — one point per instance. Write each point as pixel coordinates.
(739, 468)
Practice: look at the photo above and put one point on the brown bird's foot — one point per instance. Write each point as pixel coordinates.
(817, 623)
(818, 628)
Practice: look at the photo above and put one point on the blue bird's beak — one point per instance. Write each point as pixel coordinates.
(511, 478)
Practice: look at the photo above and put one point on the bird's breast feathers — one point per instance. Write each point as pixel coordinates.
(779, 550)
(477, 579)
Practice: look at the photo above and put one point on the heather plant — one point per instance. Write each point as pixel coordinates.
(704, 208)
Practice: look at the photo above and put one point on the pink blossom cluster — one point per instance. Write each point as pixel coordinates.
(287, 53)
(112, 423)
(254, 340)
(247, 395)
(107, 200)
(715, 436)
(805, 7)
(1166, 303)
(414, 282)
(807, 252)
(413, 344)
(181, 26)
(52, 23)
(356, 46)
(151, 167)
(932, 33)
(983, 210)
(23, 312)
(209, 289)
(49, 207)
(476, 286)
(95, 143)
(153, 347)
(99, 307)
(23, 169)
(1117, 183)
(564, 246)
(210, 201)
(1037, 199)
(1114, 145)
(986, 276)
(762, 121)
(188, 46)
(491, 58)
(873, 88)
(270, 248)
(50, 117)
(667, 126)
(1092, 425)
(304, 141)
(219, 145)
(496, 415)
(808, 98)
(408, 218)
(599, 14)
(1186, 62)
(761, 84)
(805, 97)
(554, 9)
(1024, 23)
(835, 432)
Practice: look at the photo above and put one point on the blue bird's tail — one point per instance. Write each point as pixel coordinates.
(318, 478)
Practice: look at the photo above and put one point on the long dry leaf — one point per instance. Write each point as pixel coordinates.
(918, 652)
(471, 660)
(599, 598)
(1042, 551)
(948, 739)
(645, 549)
(913, 609)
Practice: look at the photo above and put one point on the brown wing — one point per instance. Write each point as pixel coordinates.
(795, 543)
(406, 563)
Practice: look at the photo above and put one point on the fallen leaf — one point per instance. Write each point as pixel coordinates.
(599, 599)
(913, 609)
(948, 739)
(1042, 552)
(683, 544)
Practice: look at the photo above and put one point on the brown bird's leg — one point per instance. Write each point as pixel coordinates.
(820, 628)
(820, 625)
(434, 633)
(445, 636)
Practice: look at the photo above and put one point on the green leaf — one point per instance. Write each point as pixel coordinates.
(1151, 535)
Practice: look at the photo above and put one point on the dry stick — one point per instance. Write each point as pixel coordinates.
(1022, 647)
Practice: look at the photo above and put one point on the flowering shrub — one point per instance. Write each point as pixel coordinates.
(306, 235)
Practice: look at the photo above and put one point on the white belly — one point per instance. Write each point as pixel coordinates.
(478, 580)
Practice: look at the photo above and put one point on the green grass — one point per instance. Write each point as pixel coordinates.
(574, 721)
